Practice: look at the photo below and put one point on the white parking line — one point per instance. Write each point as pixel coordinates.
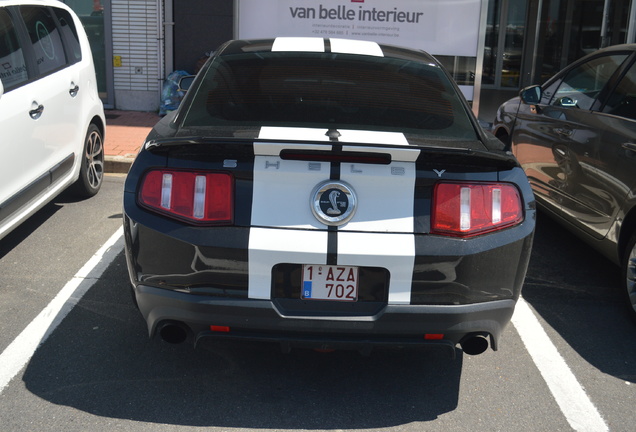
(579, 411)
(569, 394)
(20, 351)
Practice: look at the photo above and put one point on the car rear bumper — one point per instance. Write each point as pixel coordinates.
(392, 325)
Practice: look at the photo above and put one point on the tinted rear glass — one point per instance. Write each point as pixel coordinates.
(13, 70)
(327, 90)
(45, 38)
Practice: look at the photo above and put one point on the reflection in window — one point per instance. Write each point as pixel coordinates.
(462, 69)
(46, 40)
(503, 48)
(91, 14)
(70, 33)
(582, 84)
(320, 90)
(622, 102)
(13, 70)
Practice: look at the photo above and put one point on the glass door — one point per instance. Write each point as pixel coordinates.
(570, 29)
(504, 43)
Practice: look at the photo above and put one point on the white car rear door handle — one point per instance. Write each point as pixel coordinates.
(36, 110)
(73, 90)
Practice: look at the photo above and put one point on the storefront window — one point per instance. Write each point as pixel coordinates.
(462, 69)
(504, 42)
(570, 29)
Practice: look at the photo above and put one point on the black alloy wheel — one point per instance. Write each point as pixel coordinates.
(629, 276)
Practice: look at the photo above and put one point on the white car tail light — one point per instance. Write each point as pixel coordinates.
(468, 209)
(197, 197)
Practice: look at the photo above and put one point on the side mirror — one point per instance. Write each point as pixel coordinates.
(531, 95)
(185, 83)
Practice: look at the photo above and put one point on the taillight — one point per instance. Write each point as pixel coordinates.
(197, 197)
(468, 209)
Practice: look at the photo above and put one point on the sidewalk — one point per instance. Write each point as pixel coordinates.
(125, 133)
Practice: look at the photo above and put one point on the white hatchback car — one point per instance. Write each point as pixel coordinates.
(51, 118)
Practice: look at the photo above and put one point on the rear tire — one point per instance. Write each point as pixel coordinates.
(629, 277)
(92, 164)
(503, 136)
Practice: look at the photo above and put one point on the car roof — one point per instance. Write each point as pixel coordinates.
(621, 47)
(318, 45)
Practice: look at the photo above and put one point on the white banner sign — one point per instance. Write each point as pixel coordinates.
(440, 27)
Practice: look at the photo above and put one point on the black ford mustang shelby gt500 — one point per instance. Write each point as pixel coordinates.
(326, 193)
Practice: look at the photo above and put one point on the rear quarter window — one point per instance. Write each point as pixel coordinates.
(69, 33)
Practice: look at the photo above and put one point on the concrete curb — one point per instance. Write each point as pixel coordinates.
(117, 164)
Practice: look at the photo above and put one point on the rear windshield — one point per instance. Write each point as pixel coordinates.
(327, 90)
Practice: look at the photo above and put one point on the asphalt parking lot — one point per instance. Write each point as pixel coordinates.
(97, 369)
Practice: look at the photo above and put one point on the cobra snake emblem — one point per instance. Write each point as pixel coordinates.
(333, 196)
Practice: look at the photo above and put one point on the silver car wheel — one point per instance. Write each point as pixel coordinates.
(92, 164)
(94, 159)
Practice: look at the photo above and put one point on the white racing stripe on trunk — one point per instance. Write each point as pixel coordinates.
(383, 220)
(320, 134)
(290, 133)
(282, 192)
(385, 196)
(371, 137)
(268, 247)
(395, 252)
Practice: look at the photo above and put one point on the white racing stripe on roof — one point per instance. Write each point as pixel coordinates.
(298, 44)
(348, 46)
(340, 46)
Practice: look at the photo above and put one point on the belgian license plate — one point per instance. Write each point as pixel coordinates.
(330, 282)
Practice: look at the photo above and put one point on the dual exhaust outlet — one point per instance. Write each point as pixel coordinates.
(175, 332)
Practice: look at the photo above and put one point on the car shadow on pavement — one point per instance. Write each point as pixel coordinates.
(577, 292)
(24, 230)
(100, 360)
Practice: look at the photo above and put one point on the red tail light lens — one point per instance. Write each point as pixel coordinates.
(468, 209)
(197, 197)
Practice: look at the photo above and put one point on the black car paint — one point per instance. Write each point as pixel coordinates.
(460, 287)
(207, 268)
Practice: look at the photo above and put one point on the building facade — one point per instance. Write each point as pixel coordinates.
(138, 43)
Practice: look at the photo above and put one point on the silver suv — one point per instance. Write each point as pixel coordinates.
(51, 118)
